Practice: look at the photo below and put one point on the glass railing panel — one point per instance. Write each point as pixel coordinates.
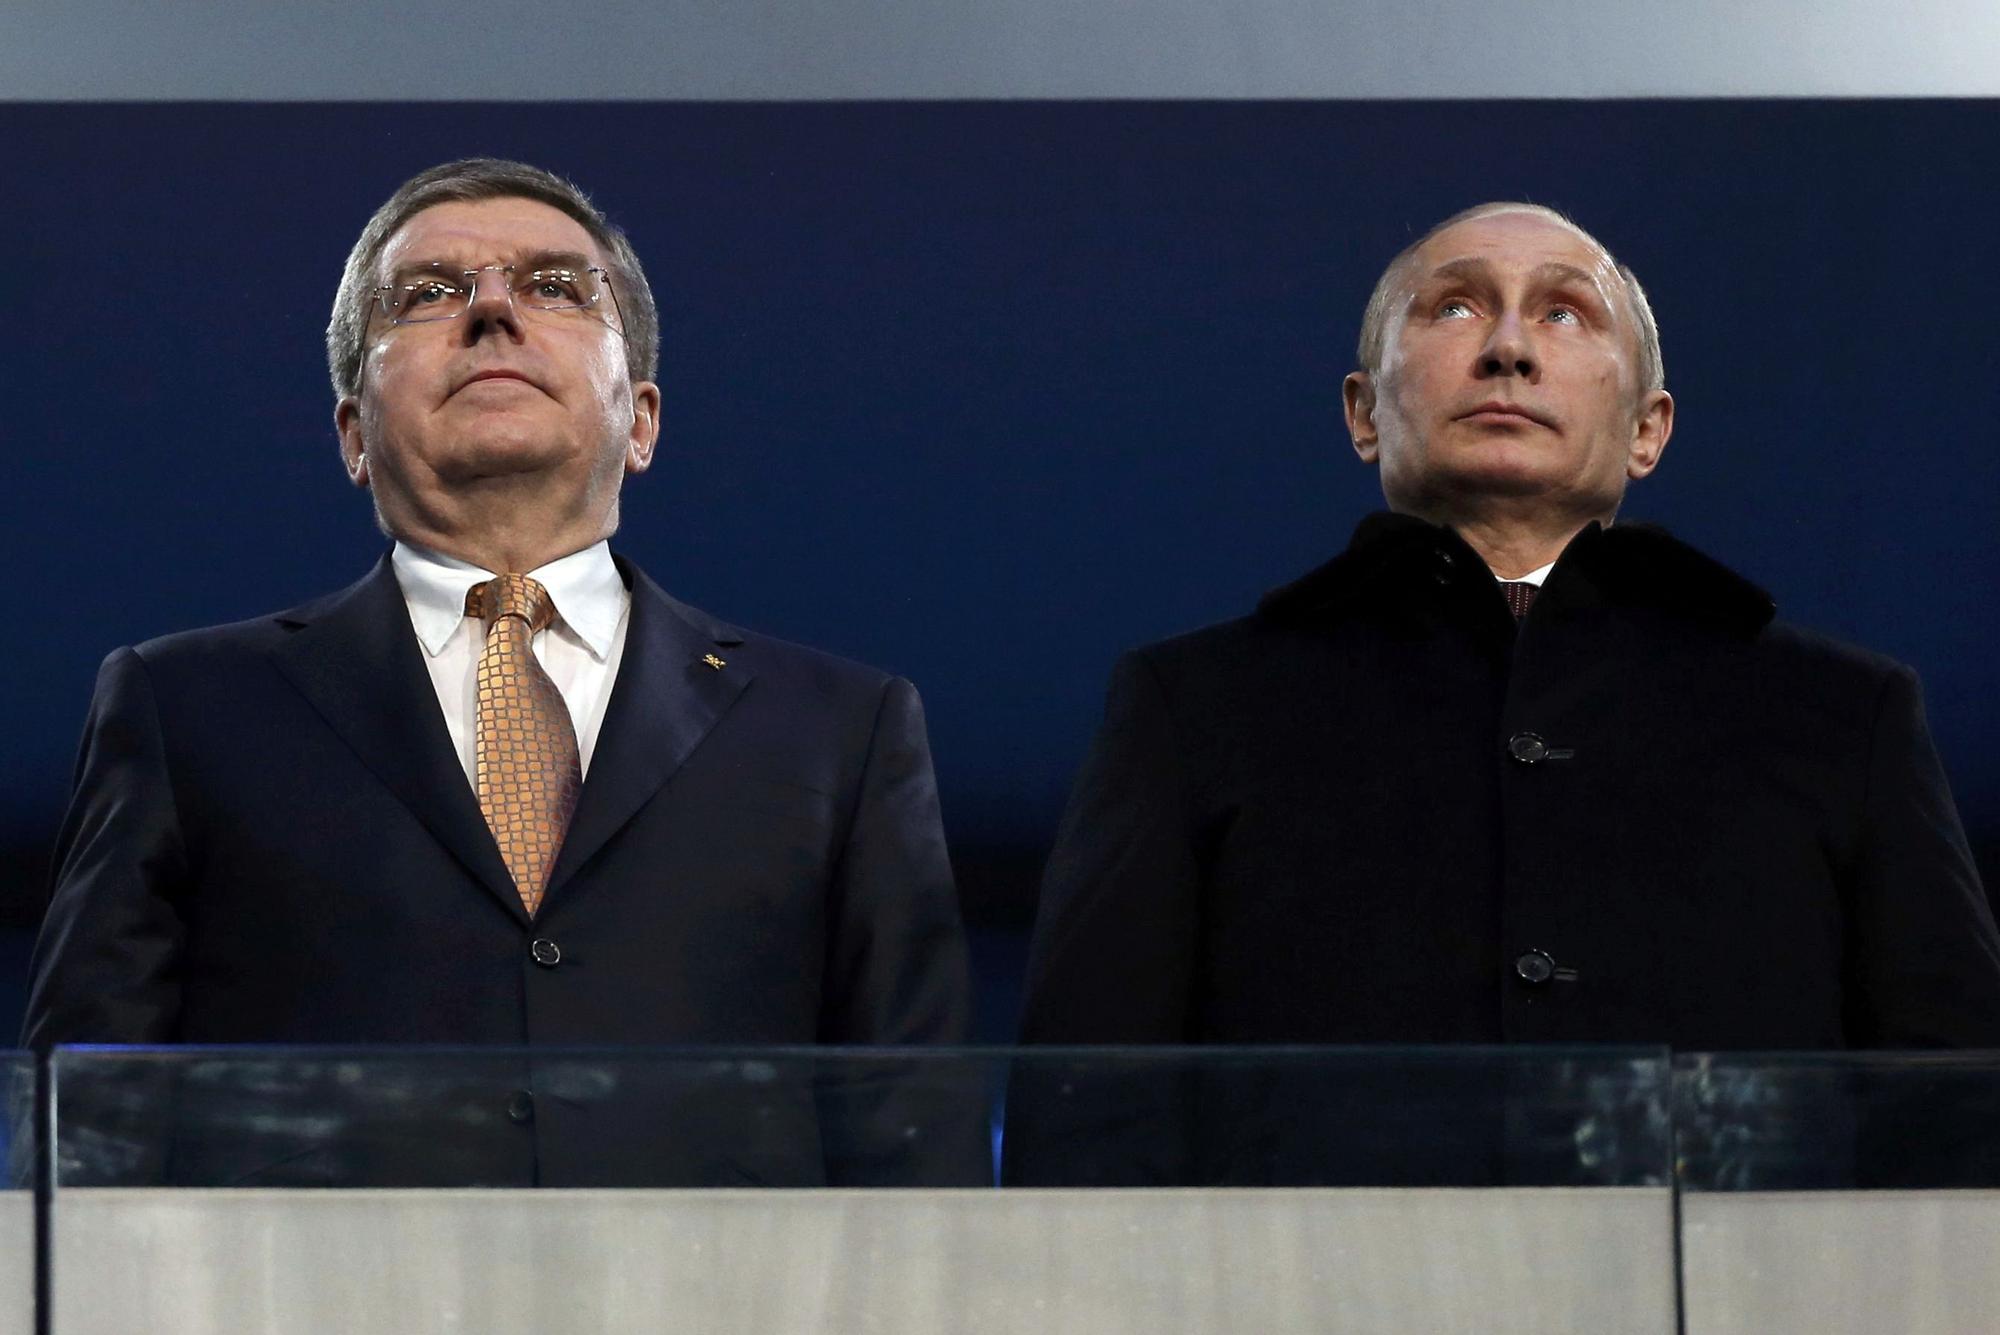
(494, 1117)
(17, 1197)
(1297, 1117)
(1837, 1121)
(1839, 1192)
(186, 1179)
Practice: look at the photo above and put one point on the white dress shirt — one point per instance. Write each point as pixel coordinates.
(1534, 577)
(580, 651)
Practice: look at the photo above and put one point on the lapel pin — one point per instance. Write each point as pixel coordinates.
(713, 662)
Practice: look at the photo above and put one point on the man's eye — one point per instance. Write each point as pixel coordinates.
(1563, 315)
(1454, 309)
(423, 298)
(554, 287)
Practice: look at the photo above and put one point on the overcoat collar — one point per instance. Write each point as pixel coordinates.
(355, 659)
(1392, 556)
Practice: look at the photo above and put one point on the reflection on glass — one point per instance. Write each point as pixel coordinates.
(861, 1117)
(1404, 1117)
(517, 1118)
(17, 1118)
(1797, 1121)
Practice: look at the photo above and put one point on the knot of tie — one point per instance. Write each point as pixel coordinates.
(511, 596)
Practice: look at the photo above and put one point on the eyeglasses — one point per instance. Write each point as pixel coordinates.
(434, 292)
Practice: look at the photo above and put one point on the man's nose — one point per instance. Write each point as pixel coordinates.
(1508, 350)
(490, 309)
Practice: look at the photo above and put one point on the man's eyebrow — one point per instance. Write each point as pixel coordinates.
(1466, 269)
(1469, 268)
(534, 259)
(554, 259)
(1476, 266)
(1557, 271)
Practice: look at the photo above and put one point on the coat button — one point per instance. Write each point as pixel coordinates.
(545, 952)
(521, 1107)
(1535, 968)
(1527, 747)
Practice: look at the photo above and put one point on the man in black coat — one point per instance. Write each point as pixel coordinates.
(299, 829)
(1385, 808)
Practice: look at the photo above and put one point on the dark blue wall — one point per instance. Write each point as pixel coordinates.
(984, 393)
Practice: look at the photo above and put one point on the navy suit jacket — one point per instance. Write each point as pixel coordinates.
(272, 841)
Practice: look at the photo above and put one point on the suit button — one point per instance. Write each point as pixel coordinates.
(545, 952)
(1535, 968)
(1527, 747)
(521, 1107)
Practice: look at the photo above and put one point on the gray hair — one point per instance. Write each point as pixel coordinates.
(1375, 318)
(465, 181)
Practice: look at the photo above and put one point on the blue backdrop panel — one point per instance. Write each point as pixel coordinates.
(984, 393)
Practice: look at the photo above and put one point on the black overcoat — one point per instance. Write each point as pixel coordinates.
(1380, 812)
(1375, 812)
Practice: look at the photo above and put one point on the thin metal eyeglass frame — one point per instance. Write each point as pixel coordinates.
(379, 298)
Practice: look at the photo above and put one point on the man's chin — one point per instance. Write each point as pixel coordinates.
(1494, 489)
(491, 460)
(1507, 464)
(1499, 483)
(1493, 474)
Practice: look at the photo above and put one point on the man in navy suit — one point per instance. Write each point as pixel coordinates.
(276, 835)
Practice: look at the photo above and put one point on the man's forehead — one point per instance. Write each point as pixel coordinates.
(1513, 239)
(487, 231)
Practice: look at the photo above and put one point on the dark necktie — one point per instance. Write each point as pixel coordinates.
(524, 757)
(1519, 595)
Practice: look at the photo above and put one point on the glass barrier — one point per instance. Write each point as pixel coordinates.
(1147, 1190)
(1393, 1117)
(705, 1117)
(1837, 1121)
(1332, 1190)
(496, 1117)
(1837, 1193)
(17, 1200)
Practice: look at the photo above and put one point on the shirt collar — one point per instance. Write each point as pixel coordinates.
(1534, 577)
(589, 595)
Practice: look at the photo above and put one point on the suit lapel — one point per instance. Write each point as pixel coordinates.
(355, 659)
(668, 695)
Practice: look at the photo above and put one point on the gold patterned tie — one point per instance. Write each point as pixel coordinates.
(524, 746)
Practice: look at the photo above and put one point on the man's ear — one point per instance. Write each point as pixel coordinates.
(353, 450)
(1649, 436)
(645, 433)
(1357, 398)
